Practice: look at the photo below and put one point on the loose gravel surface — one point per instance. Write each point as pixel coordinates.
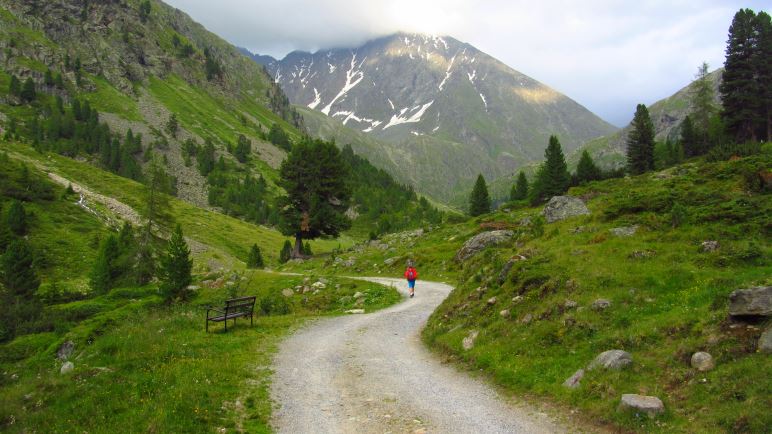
(371, 374)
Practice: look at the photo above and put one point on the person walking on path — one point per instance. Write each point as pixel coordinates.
(411, 274)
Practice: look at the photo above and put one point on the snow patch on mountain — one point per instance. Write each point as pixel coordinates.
(485, 103)
(316, 101)
(472, 75)
(350, 82)
(447, 72)
(414, 118)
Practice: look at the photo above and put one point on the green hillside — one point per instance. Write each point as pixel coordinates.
(668, 295)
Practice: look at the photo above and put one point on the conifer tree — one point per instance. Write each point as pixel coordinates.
(286, 252)
(307, 249)
(640, 142)
(763, 68)
(689, 141)
(172, 126)
(104, 270)
(28, 90)
(242, 149)
(703, 107)
(48, 78)
(16, 218)
(21, 281)
(176, 266)
(587, 170)
(315, 178)
(520, 189)
(14, 87)
(552, 178)
(255, 259)
(739, 89)
(278, 137)
(479, 200)
(205, 158)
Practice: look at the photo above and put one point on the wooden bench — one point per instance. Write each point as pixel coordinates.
(234, 308)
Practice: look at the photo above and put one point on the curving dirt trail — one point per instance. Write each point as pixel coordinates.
(371, 374)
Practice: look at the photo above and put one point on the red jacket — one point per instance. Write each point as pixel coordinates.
(414, 272)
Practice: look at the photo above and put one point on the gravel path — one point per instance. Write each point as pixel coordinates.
(371, 374)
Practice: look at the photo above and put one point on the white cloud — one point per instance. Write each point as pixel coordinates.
(608, 55)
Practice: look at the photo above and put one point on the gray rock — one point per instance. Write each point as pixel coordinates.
(505, 313)
(193, 287)
(491, 301)
(702, 361)
(350, 262)
(65, 350)
(67, 367)
(611, 359)
(650, 405)
(709, 246)
(358, 295)
(569, 304)
(355, 311)
(390, 261)
(572, 382)
(563, 207)
(517, 299)
(751, 302)
(287, 292)
(625, 231)
(765, 341)
(505, 271)
(319, 285)
(481, 241)
(527, 318)
(601, 304)
(468, 342)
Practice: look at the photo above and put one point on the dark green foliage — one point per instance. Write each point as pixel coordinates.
(520, 188)
(144, 10)
(255, 259)
(279, 137)
(378, 198)
(729, 150)
(689, 140)
(14, 87)
(246, 197)
(48, 78)
(105, 269)
(175, 268)
(678, 215)
(242, 149)
(479, 200)
(286, 252)
(586, 170)
(28, 92)
(315, 178)
(20, 282)
(205, 158)
(16, 218)
(703, 108)
(745, 86)
(307, 249)
(212, 66)
(172, 125)
(274, 304)
(640, 142)
(552, 178)
(279, 104)
(667, 154)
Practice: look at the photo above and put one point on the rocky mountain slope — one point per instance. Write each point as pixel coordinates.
(446, 110)
(667, 115)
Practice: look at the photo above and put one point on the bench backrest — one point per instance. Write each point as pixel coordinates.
(241, 304)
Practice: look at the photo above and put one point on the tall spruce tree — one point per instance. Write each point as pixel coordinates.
(689, 140)
(105, 268)
(16, 218)
(14, 87)
(315, 178)
(552, 177)
(763, 68)
(28, 90)
(479, 200)
(739, 89)
(286, 252)
(175, 269)
(587, 170)
(520, 189)
(703, 107)
(20, 303)
(255, 258)
(640, 142)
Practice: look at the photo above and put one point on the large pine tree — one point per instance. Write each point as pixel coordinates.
(689, 141)
(552, 178)
(763, 68)
(176, 266)
(315, 178)
(740, 92)
(587, 170)
(20, 280)
(16, 218)
(703, 107)
(479, 200)
(520, 189)
(640, 142)
(255, 259)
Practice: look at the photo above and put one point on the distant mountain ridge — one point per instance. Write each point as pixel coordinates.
(444, 110)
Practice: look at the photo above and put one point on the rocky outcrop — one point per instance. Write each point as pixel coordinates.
(612, 359)
(563, 207)
(480, 242)
(765, 341)
(751, 302)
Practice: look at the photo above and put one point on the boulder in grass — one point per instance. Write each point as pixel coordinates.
(702, 361)
(752, 302)
(765, 341)
(573, 381)
(481, 241)
(563, 207)
(67, 367)
(611, 359)
(468, 342)
(649, 405)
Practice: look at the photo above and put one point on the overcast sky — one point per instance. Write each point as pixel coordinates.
(608, 55)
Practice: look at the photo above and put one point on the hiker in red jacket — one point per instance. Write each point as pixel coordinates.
(411, 274)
